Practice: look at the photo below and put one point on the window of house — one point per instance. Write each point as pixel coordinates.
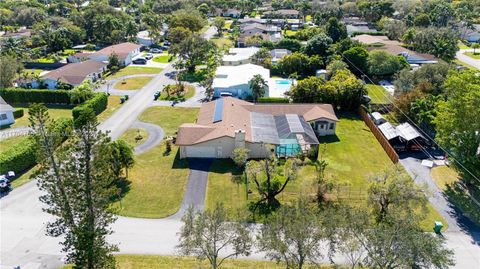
(321, 126)
(332, 125)
(3, 116)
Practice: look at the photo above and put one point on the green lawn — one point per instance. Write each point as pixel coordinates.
(6, 144)
(130, 135)
(158, 180)
(465, 64)
(472, 55)
(290, 33)
(378, 94)
(55, 112)
(135, 83)
(190, 92)
(135, 70)
(462, 45)
(129, 261)
(352, 155)
(163, 58)
(222, 42)
(112, 106)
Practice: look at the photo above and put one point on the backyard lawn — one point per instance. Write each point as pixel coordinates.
(135, 70)
(129, 261)
(473, 55)
(157, 179)
(378, 94)
(54, 111)
(352, 155)
(135, 83)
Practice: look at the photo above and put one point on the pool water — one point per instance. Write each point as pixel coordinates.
(283, 81)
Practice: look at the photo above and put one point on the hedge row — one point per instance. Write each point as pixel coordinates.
(98, 103)
(23, 155)
(18, 158)
(18, 113)
(278, 100)
(14, 95)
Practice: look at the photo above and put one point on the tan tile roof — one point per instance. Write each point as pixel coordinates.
(237, 115)
(75, 73)
(121, 50)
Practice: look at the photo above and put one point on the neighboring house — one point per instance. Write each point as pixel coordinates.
(235, 80)
(6, 113)
(143, 37)
(243, 38)
(282, 13)
(228, 123)
(21, 33)
(394, 47)
(72, 74)
(125, 52)
(238, 56)
(357, 25)
(278, 54)
(471, 35)
(230, 12)
(258, 28)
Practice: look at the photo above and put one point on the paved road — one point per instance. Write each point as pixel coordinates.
(196, 187)
(127, 114)
(463, 236)
(155, 136)
(468, 60)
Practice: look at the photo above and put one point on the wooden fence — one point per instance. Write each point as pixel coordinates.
(392, 154)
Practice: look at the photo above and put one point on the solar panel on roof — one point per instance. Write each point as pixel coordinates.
(218, 114)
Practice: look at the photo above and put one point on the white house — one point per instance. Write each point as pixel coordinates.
(229, 123)
(125, 52)
(278, 54)
(143, 37)
(72, 74)
(6, 113)
(238, 56)
(235, 80)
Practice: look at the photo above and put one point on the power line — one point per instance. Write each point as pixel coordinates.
(409, 119)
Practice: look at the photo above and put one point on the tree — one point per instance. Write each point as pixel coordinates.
(289, 44)
(421, 20)
(178, 34)
(28, 16)
(187, 18)
(298, 63)
(394, 28)
(268, 180)
(381, 63)
(374, 10)
(258, 86)
(114, 63)
(335, 29)
(293, 235)
(76, 186)
(240, 156)
(262, 57)
(121, 157)
(9, 68)
(457, 122)
(318, 45)
(409, 36)
(441, 42)
(356, 58)
(154, 24)
(219, 23)
(208, 234)
(191, 51)
(334, 66)
(475, 46)
(82, 92)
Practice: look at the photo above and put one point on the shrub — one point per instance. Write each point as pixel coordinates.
(98, 103)
(18, 113)
(12, 95)
(277, 100)
(18, 158)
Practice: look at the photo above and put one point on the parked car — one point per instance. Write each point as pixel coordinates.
(155, 51)
(166, 43)
(140, 61)
(148, 56)
(5, 186)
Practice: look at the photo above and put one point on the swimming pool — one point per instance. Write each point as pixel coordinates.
(279, 87)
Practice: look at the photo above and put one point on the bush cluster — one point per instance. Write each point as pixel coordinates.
(13, 95)
(98, 103)
(18, 113)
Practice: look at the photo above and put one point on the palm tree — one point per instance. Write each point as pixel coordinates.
(258, 86)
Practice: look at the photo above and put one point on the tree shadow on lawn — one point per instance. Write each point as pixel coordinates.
(179, 163)
(123, 185)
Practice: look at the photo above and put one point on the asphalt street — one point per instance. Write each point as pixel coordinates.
(468, 60)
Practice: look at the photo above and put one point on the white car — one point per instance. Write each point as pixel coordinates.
(148, 56)
(155, 51)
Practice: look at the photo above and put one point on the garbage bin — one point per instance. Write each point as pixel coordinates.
(126, 97)
(122, 100)
(438, 227)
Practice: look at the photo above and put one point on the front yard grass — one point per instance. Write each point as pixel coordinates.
(353, 155)
(130, 135)
(473, 55)
(112, 106)
(378, 94)
(129, 261)
(157, 179)
(135, 83)
(189, 93)
(163, 58)
(54, 111)
(135, 70)
(7, 143)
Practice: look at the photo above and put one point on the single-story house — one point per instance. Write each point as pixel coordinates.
(470, 35)
(243, 38)
(238, 56)
(72, 74)
(125, 51)
(278, 54)
(6, 113)
(282, 13)
(229, 12)
(143, 37)
(394, 47)
(257, 28)
(228, 123)
(235, 80)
